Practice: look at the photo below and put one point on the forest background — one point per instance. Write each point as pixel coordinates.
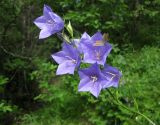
(31, 93)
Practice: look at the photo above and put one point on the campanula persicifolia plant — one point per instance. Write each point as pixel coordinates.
(91, 50)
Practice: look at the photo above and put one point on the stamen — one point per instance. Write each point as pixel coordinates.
(113, 75)
(72, 60)
(94, 78)
(99, 43)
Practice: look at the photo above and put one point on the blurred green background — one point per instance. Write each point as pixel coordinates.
(31, 93)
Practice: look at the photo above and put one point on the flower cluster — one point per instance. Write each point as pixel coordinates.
(91, 50)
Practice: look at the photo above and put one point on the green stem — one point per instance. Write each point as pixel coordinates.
(131, 110)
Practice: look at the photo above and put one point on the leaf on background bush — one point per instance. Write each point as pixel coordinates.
(5, 108)
(3, 80)
(136, 104)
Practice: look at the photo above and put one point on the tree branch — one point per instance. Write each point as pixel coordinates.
(15, 55)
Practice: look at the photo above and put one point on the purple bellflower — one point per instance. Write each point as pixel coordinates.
(79, 42)
(68, 59)
(92, 80)
(95, 49)
(113, 76)
(50, 23)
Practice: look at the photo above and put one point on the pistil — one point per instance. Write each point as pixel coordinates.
(50, 22)
(98, 55)
(94, 78)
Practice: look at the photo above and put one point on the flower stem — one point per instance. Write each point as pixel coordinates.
(131, 110)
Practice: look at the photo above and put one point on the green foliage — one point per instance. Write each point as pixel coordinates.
(3, 80)
(28, 83)
(125, 21)
(49, 116)
(139, 90)
(4, 107)
(60, 103)
(45, 76)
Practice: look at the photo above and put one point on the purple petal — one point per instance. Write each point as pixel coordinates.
(106, 84)
(44, 34)
(108, 48)
(46, 10)
(112, 69)
(84, 85)
(97, 36)
(84, 41)
(70, 50)
(59, 23)
(76, 43)
(40, 22)
(59, 57)
(94, 69)
(85, 36)
(81, 73)
(78, 62)
(55, 17)
(89, 58)
(96, 88)
(87, 85)
(105, 52)
(115, 82)
(66, 68)
(113, 76)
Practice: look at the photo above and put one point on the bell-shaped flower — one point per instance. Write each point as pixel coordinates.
(68, 59)
(112, 75)
(95, 49)
(50, 23)
(92, 80)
